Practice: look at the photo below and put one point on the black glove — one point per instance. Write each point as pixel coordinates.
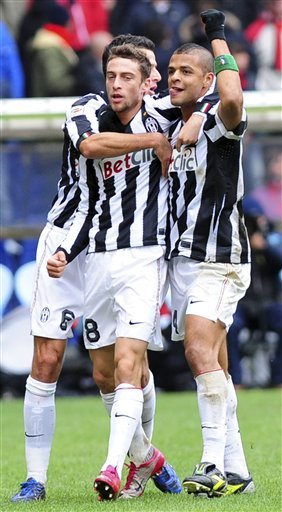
(214, 24)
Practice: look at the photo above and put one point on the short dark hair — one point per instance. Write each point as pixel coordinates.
(206, 60)
(128, 51)
(138, 41)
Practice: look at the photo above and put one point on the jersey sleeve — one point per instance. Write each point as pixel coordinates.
(215, 129)
(82, 118)
(81, 122)
(77, 238)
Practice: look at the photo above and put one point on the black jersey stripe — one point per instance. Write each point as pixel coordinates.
(128, 207)
(150, 217)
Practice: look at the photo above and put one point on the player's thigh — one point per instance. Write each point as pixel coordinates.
(138, 292)
(99, 323)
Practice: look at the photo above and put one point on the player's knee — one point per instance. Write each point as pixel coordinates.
(193, 354)
(47, 365)
(104, 381)
(128, 370)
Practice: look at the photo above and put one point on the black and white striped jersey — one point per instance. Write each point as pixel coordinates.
(205, 195)
(130, 193)
(81, 119)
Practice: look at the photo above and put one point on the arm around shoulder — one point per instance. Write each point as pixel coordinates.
(111, 144)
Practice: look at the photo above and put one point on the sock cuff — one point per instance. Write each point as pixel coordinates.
(40, 388)
(211, 381)
(108, 400)
(128, 392)
(124, 385)
(107, 397)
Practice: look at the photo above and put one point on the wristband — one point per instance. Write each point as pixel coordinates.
(225, 62)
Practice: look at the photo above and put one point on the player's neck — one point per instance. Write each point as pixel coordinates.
(187, 111)
(127, 115)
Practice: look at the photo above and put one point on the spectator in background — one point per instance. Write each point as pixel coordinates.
(87, 17)
(246, 11)
(11, 71)
(90, 76)
(35, 16)
(265, 34)
(244, 55)
(119, 15)
(11, 86)
(267, 258)
(191, 29)
(11, 12)
(53, 59)
(261, 308)
(269, 195)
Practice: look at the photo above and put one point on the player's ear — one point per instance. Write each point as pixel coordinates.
(147, 85)
(208, 80)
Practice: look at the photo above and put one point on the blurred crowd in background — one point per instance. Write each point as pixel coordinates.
(53, 48)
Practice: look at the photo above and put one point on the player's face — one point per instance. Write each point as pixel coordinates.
(155, 76)
(125, 88)
(186, 80)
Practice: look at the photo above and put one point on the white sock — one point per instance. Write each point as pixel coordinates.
(140, 446)
(149, 407)
(39, 424)
(125, 417)
(234, 457)
(212, 402)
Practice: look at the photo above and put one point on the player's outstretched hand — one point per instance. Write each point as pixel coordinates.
(56, 264)
(214, 24)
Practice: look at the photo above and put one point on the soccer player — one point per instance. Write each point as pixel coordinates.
(209, 250)
(125, 267)
(57, 303)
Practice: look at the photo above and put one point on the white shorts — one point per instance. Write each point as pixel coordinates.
(207, 289)
(123, 296)
(56, 303)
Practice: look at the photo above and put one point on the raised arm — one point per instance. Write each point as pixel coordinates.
(226, 70)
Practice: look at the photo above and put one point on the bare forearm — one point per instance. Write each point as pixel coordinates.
(228, 81)
(109, 144)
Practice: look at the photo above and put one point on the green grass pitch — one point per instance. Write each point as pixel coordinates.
(80, 446)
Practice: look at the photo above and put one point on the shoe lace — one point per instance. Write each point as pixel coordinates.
(131, 475)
